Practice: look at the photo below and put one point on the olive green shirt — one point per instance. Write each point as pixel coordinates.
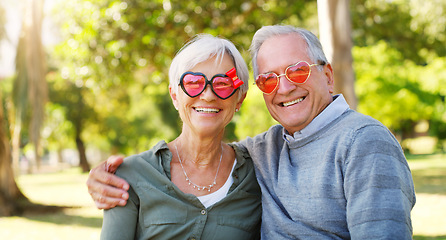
(157, 209)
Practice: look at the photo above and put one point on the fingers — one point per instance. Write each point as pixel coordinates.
(102, 202)
(99, 176)
(113, 163)
(105, 196)
(106, 189)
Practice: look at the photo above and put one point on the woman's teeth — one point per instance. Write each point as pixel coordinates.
(286, 104)
(207, 110)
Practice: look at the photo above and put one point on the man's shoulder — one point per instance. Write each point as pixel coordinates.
(363, 128)
(274, 132)
(356, 120)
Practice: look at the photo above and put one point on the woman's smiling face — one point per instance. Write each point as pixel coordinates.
(207, 114)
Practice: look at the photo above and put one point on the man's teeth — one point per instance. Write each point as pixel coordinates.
(286, 104)
(207, 110)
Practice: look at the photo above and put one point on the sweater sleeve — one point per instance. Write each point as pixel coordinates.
(378, 186)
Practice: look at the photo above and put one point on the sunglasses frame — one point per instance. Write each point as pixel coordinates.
(286, 76)
(207, 82)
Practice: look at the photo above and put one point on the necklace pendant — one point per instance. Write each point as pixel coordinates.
(195, 186)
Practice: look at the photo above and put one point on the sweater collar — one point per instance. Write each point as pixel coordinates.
(328, 115)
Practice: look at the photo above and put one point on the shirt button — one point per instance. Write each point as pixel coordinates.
(203, 212)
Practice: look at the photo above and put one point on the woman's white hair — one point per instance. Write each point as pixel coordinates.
(314, 47)
(201, 48)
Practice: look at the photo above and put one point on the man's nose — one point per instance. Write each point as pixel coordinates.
(285, 86)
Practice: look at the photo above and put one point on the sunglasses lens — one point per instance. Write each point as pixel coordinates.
(193, 85)
(267, 83)
(298, 73)
(223, 86)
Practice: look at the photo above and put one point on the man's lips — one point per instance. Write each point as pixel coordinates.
(286, 104)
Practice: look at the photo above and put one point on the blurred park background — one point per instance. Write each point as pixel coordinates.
(81, 80)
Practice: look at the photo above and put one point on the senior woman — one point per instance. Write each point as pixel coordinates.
(195, 187)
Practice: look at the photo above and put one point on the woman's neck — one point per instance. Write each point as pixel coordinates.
(202, 152)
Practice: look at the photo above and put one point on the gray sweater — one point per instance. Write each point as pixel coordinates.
(349, 180)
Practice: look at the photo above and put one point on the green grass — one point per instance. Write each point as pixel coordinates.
(66, 188)
(83, 221)
(429, 213)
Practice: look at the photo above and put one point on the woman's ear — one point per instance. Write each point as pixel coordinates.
(240, 101)
(173, 96)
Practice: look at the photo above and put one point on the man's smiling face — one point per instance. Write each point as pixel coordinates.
(294, 105)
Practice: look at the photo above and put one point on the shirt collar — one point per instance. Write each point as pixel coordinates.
(328, 115)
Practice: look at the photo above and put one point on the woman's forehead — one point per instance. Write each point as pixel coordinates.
(214, 65)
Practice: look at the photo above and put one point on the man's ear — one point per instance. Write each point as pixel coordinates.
(173, 96)
(328, 71)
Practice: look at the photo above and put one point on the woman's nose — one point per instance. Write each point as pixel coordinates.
(208, 94)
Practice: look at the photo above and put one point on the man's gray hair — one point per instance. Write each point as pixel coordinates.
(314, 46)
(201, 48)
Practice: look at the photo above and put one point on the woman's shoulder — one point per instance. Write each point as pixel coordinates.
(241, 154)
(144, 161)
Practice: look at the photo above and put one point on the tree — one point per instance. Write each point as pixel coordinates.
(69, 96)
(335, 34)
(10, 194)
(30, 87)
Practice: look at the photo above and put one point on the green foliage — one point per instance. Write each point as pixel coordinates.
(413, 27)
(396, 91)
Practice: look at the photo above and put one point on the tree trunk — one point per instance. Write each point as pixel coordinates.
(83, 163)
(16, 145)
(10, 194)
(335, 33)
(30, 92)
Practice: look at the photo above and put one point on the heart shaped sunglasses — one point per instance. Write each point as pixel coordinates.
(223, 85)
(297, 73)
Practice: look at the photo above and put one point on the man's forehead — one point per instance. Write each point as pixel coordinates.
(282, 51)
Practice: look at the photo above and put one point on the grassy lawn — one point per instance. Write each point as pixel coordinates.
(429, 213)
(83, 221)
(66, 188)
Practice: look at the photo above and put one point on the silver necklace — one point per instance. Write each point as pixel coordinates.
(198, 187)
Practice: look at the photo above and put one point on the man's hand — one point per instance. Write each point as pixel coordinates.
(106, 189)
